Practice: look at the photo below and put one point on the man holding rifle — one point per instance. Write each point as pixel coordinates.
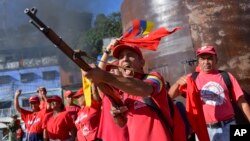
(108, 130)
(134, 85)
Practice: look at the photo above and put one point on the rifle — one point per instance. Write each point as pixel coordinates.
(75, 56)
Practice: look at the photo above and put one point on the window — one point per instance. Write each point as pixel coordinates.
(25, 103)
(49, 75)
(5, 104)
(5, 79)
(27, 77)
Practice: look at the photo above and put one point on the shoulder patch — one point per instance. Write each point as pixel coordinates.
(155, 80)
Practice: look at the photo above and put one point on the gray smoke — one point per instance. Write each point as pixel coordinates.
(68, 18)
(16, 32)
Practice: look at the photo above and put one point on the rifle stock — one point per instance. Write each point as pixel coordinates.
(64, 47)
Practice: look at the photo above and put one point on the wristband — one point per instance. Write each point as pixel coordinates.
(106, 51)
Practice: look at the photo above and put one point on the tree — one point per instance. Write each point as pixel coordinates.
(103, 27)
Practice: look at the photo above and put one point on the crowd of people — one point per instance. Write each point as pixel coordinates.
(145, 113)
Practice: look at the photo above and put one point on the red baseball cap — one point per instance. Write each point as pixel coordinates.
(79, 93)
(68, 93)
(206, 50)
(34, 99)
(54, 98)
(117, 49)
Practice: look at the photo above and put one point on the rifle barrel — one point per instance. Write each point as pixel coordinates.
(67, 50)
(54, 38)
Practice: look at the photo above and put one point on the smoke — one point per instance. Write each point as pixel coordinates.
(66, 17)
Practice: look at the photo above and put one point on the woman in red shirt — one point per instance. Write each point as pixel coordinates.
(88, 118)
(58, 124)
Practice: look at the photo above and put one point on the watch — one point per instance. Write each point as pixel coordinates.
(106, 51)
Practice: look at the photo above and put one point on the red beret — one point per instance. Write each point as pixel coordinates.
(206, 50)
(79, 93)
(34, 99)
(68, 93)
(55, 98)
(117, 50)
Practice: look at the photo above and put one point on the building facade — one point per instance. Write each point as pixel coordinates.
(27, 76)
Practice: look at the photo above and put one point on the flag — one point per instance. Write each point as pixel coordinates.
(150, 41)
(86, 86)
(194, 110)
(138, 28)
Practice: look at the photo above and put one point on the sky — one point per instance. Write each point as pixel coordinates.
(11, 11)
(98, 6)
(59, 14)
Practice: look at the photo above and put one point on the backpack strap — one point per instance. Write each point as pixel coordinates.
(194, 75)
(150, 102)
(228, 82)
(171, 106)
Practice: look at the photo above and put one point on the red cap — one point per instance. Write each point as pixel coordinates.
(206, 50)
(117, 49)
(68, 93)
(55, 98)
(79, 93)
(34, 99)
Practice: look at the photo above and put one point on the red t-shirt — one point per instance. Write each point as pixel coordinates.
(73, 110)
(87, 123)
(144, 123)
(43, 105)
(215, 96)
(108, 130)
(33, 121)
(59, 126)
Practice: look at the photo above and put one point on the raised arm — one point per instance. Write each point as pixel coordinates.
(16, 102)
(132, 86)
(106, 53)
(174, 89)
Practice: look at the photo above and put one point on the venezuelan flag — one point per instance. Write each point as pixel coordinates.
(151, 41)
(139, 28)
(146, 26)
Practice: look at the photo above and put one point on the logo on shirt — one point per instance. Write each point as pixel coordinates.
(212, 93)
(85, 130)
(81, 117)
(30, 122)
